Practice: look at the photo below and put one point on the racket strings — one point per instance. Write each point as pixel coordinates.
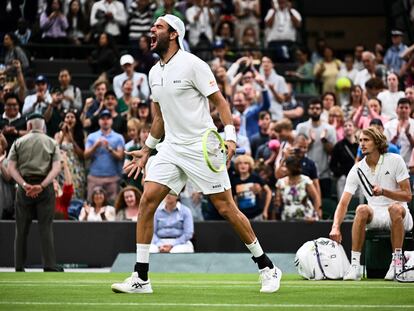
(215, 151)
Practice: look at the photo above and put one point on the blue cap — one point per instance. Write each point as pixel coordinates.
(105, 113)
(41, 79)
(219, 44)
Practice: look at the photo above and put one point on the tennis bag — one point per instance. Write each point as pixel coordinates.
(407, 275)
(322, 259)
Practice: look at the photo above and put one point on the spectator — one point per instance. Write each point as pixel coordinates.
(356, 100)
(93, 106)
(19, 86)
(407, 69)
(201, 19)
(305, 83)
(327, 70)
(409, 94)
(390, 97)
(173, 228)
(358, 62)
(144, 58)
(243, 142)
(262, 136)
(54, 23)
(98, 209)
(277, 86)
(223, 82)
(12, 124)
(33, 164)
(144, 112)
(134, 128)
(133, 109)
(373, 87)
(317, 54)
(37, 103)
(108, 16)
(127, 204)
(78, 30)
(225, 32)
(63, 195)
(392, 57)
(336, 119)
(219, 56)
(322, 139)
(282, 23)
(168, 8)
(141, 14)
(104, 57)
(400, 131)
(252, 195)
(7, 184)
(374, 112)
(192, 198)
(23, 32)
(249, 40)
(72, 96)
(249, 113)
(343, 156)
(12, 52)
(140, 81)
(297, 194)
(369, 71)
(347, 68)
(125, 101)
(71, 140)
(292, 108)
(247, 13)
(54, 112)
(282, 130)
(299, 148)
(105, 148)
(328, 101)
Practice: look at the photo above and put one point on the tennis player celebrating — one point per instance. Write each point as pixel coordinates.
(384, 180)
(182, 86)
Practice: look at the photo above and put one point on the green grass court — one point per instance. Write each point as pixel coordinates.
(91, 291)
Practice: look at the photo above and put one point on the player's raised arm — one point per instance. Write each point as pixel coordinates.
(223, 108)
(140, 157)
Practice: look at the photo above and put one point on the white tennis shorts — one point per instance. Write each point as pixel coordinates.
(381, 219)
(174, 164)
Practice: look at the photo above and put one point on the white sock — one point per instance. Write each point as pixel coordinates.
(355, 258)
(143, 253)
(398, 259)
(255, 248)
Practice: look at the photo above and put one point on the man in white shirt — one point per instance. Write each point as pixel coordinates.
(38, 102)
(111, 13)
(390, 97)
(368, 59)
(201, 19)
(182, 86)
(384, 180)
(140, 81)
(400, 131)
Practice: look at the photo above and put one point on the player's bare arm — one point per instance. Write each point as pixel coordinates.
(140, 157)
(401, 195)
(223, 108)
(340, 213)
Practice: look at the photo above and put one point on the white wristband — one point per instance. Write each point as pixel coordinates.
(230, 133)
(151, 141)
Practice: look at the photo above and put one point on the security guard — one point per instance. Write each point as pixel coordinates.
(34, 163)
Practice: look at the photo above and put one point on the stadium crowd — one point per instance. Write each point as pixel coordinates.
(297, 130)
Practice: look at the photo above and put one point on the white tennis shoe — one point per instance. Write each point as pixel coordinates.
(133, 285)
(270, 279)
(353, 274)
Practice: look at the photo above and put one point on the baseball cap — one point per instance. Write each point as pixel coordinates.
(34, 116)
(126, 59)
(396, 32)
(41, 79)
(178, 25)
(143, 103)
(219, 44)
(105, 113)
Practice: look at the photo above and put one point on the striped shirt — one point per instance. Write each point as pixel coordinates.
(140, 21)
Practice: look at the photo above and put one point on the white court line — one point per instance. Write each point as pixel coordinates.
(214, 305)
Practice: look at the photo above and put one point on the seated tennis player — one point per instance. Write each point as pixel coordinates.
(384, 180)
(182, 86)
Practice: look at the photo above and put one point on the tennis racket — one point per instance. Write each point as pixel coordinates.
(214, 151)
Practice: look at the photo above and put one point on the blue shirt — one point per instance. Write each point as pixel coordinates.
(177, 224)
(391, 149)
(103, 163)
(392, 58)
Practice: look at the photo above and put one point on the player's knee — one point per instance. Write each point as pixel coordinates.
(396, 212)
(363, 211)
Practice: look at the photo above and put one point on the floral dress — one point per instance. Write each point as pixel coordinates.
(296, 202)
(77, 169)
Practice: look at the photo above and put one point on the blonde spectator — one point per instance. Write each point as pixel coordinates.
(356, 100)
(336, 119)
(127, 204)
(134, 129)
(98, 209)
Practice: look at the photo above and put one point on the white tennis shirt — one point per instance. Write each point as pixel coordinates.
(391, 169)
(181, 88)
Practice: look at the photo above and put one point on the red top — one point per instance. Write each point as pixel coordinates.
(62, 202)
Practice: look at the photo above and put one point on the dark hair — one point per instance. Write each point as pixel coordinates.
(120, 201)
(65, 69)
(110, 93)
(315, 101)
(374, 83)
(13, 37)
(80, 18)
(48, 10)
(403, 101)
(7, 96)
(331, 94)
(304, 50)
(99, 189)
(293, 165)
(78, 135)
(263, 114)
